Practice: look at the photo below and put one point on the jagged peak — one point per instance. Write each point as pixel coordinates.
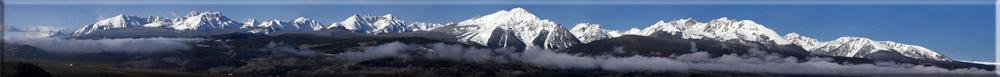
(208, 13)
(587, 25)
(357, 15)
(723, 20)
(368, 16)
(273, 21)
(389, 16)
(193, 13)
(853, 38)
(876, 44)
(302, 19)
(689, 21)
(250, 20)
(891, 42)
(154, 17)
(516, 13)
(793, 34)
(119, 15)
(119, 18)
(506, 17)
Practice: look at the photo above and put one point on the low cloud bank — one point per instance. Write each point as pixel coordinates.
(755, 61)
(103, 45)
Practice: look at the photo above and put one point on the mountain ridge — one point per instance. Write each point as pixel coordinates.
(860, 46)
(519, 28)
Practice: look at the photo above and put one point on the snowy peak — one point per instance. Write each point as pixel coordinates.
(914, 51)
(302, 20)
(722, 29)
(390, 16)
(804, 42)
(57, 34)
(204, 21)
(587, 32)
(250, 23)
(122, 21)
(299, 24)
(306, 24)
(516, 27)
(191, 14)
(368, 24)
(854, 47)
(421, 26)
(502, 16)
(861, 47)
(157, 21)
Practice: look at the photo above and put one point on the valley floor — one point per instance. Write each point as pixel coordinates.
(63, 69)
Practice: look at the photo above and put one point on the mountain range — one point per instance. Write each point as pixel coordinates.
(518, 28)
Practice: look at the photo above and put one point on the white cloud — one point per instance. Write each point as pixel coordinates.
(755, 61)
(175, 14)
(100, 17)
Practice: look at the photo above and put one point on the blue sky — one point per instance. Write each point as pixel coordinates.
(960, 31)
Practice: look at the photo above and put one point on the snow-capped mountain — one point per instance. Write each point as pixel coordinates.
(368, 24)
(743, 32)
(204, 21)
(804, 42)
(421, 26)
(192, 21)
(300, 24)
(587, 32)
(200, 21)
(519, 28)
(123, 21)
(722, 29)
(514, 28)
(157, 21)
(57, 34)
(863, 47)
(250, 23)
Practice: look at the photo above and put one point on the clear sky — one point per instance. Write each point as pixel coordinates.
(959, 31)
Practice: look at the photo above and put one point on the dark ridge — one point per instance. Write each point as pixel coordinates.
(237, 35)
(19, 69)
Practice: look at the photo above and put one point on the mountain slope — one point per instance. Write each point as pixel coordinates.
(512, 28)
(421, 26)
(367, 24)
(299, 24)
(122, 21)
(192, 21)
(863, 47)
(587, 32)
(722, 29)
(204, 21)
